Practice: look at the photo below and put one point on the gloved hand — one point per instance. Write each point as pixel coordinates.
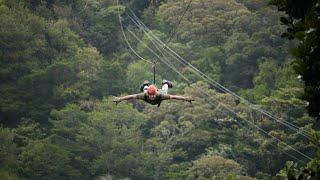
(116, 99)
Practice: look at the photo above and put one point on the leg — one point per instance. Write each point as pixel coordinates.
(145, 88)
(169, 83)
(165, 86)
(164, 89)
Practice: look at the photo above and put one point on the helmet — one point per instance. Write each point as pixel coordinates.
(152, 90)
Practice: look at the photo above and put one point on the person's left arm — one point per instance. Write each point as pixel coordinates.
(183, 98)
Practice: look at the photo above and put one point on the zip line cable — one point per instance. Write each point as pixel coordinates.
(225, 106)
(126, 40)
(152, 51)
(207, 95)
(200, 90)
(222, 88)
(293, 127)
(172, 32)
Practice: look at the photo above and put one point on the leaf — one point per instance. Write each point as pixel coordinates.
(284, 20)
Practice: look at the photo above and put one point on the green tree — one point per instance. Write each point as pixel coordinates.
(271, 77)
(22, 41)
(59, 154)
(214, 167)
(137, 72)
(45, 160)
(28, 131)
(8, 154)
(208, 21)
(253, 5)
(212, 62)
(303, 24)
(113, 140)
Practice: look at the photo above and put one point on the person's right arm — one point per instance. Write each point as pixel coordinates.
(128, 97)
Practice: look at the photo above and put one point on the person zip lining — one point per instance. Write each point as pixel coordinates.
(152, 95)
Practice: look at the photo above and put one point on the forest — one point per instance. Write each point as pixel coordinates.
(252, 67)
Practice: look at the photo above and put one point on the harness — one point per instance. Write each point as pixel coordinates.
(157, 101)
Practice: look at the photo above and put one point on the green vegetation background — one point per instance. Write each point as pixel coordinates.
(62, 60)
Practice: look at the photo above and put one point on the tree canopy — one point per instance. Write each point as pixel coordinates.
(62, 61)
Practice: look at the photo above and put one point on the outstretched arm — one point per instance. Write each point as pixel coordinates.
(184, 98)
(128, 97)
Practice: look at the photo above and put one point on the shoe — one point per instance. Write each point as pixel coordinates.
(145, 83)
(169, 83)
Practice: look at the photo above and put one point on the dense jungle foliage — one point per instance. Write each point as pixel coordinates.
(61, 61)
